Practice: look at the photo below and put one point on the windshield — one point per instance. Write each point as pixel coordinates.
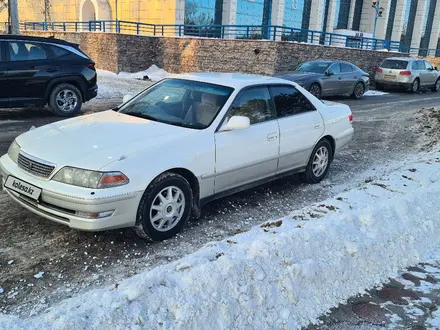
(394, 64)
(316, 67)
(179, 102)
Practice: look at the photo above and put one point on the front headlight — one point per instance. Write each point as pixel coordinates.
(90, 179)
(13, 151)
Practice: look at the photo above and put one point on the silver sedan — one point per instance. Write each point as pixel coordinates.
(328, 78)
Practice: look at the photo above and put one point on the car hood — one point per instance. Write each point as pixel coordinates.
(93, 141)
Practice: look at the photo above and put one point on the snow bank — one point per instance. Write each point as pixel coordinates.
(281, 275)
(374, 93)
(154, 73)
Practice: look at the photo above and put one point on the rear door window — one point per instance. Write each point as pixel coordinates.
(289, 101)
(58, 51)
(25, 51)
(346, 68)
(420, 65)
(394, 64)
(335, 68)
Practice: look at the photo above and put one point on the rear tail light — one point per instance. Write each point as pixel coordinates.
(350, 118)
(405, 73)
(91, 66)
(379, 70)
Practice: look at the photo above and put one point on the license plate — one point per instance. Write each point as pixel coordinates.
(387, 76)
(22, 187)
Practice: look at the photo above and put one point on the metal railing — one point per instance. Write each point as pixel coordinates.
(249, 32)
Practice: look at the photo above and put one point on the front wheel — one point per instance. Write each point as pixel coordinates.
(319, 163)
(165, 207)
(315, 90)
(65, 100)
(358, 91)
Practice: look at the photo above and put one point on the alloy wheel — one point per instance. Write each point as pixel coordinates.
(66, 100)
(320, 161)
(167, 208)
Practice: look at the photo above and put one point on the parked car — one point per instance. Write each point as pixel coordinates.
(328, 78)
(408, 73)
(161, 156)
(38, 71)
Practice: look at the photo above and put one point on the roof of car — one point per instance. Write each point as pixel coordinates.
(235, 80)
(31, 38)
(401, 58)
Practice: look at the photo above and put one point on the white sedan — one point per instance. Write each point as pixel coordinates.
(158, 158)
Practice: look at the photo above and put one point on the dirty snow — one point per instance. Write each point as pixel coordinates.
(374, 93)
(282, 274)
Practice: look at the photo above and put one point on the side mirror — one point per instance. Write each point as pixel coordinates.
(435, 68)
(127, 98)
(329, 73)
(237, 123)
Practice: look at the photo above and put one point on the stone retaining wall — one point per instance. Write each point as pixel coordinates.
(131, 53)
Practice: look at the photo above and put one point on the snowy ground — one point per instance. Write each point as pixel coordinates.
(74, 262)
(282, 274)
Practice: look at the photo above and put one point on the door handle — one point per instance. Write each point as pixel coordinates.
(317, 125)
(272, 136)
(339, 78)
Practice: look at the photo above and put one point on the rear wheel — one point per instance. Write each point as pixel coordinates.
(315, 90)
(319, 163)
(165, 207)
(415, 86)
(379, 87)
(65, 100)
(358, 91)
(436, 87)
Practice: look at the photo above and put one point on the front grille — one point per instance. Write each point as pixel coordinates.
(35, 166)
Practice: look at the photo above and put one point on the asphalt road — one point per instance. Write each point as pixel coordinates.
(387, 128)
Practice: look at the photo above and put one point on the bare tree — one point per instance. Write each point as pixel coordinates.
(194, 17)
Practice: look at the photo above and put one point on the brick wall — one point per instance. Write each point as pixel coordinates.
(131, 53)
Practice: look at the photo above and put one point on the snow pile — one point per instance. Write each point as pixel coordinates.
(153, 73)
(374, 93)
(283, 274)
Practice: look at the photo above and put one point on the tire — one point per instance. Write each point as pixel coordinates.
(379, 87)
(313, 176)
(358, 91)
(151, 206)
(65, 100)
(436, 86)
(415, 86)
(315, 90)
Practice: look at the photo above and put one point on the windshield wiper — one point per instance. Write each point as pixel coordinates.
(141, 115)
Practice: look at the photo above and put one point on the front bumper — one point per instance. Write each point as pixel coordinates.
(62, 207)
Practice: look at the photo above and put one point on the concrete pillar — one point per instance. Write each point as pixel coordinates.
(399, 20)
(367, 17)
(382, 22)
(317, 15)
(331, 16)
(419, 23)
(180, 12)
(351, 14)
(229, 17)
(277, 16)
(435, 33)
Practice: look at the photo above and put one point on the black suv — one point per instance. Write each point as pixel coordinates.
(38, 71)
